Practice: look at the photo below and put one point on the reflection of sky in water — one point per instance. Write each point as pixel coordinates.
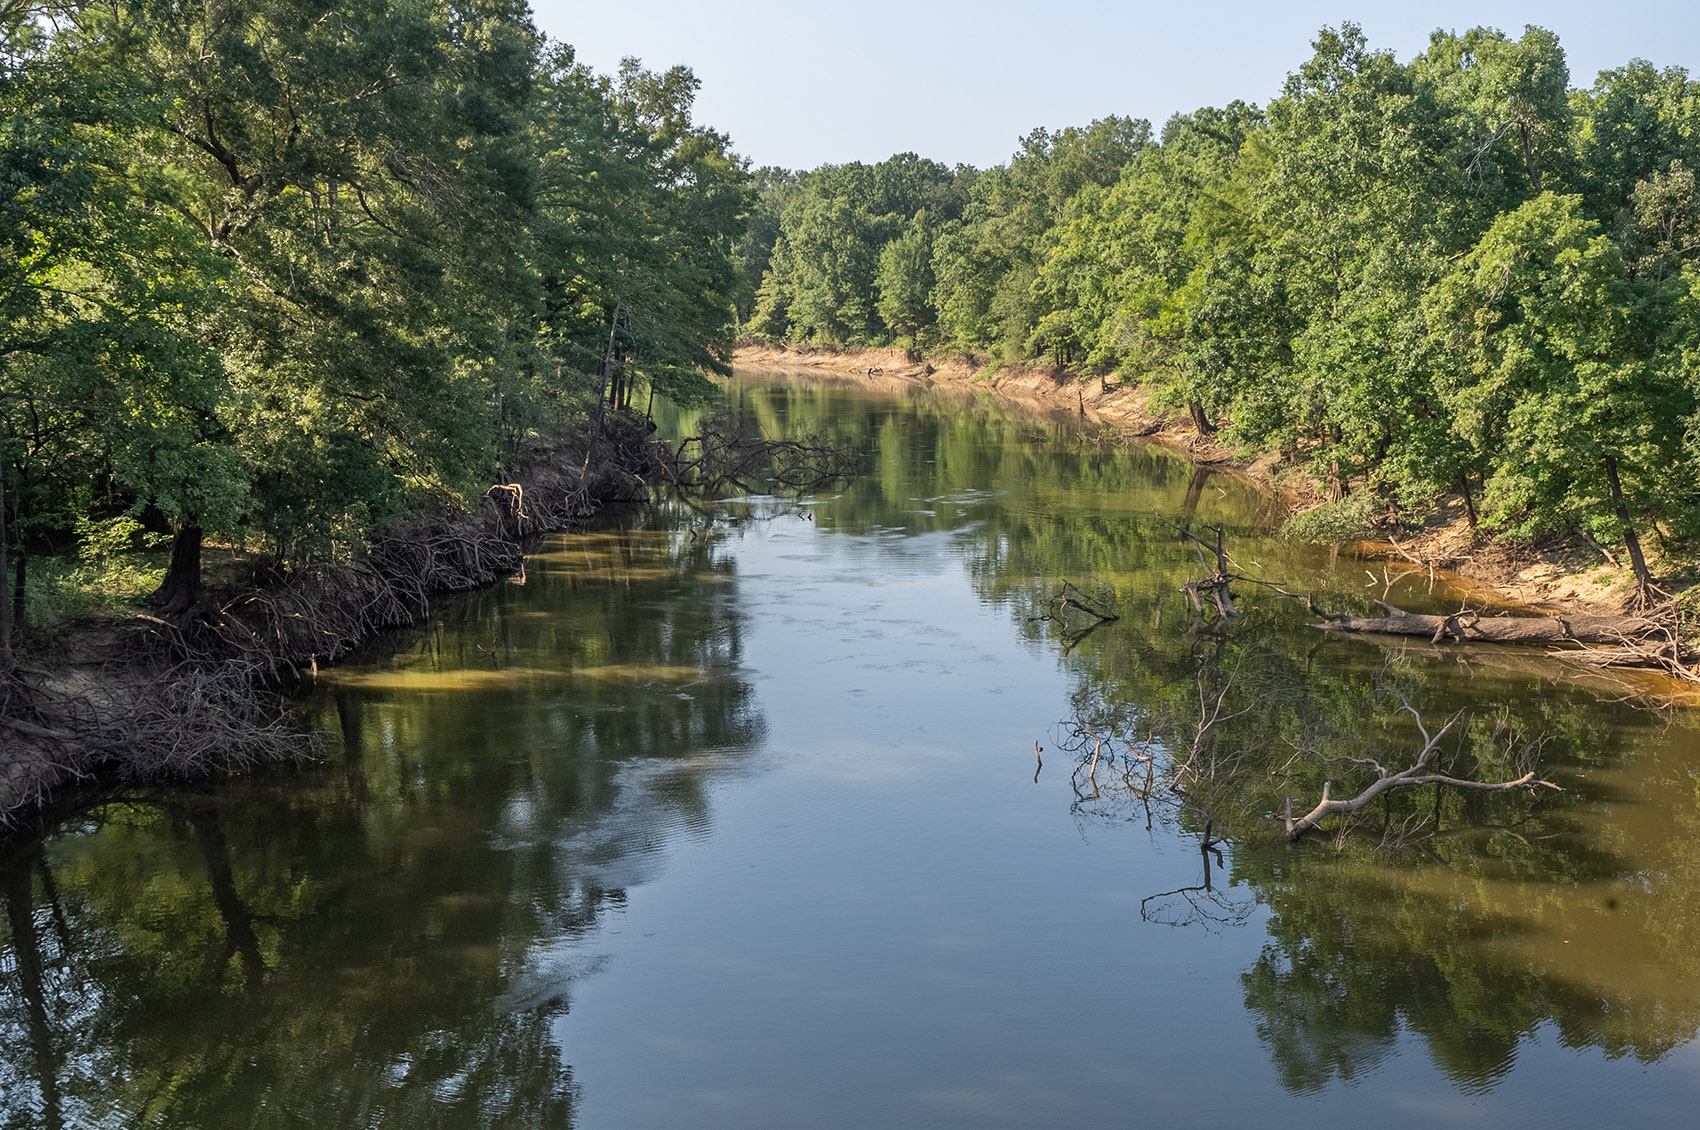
(913, 936)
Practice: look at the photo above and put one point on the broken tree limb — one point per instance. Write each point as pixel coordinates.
(1213, 588)
(1101, 608)
(1468, 625)
(1406, 778)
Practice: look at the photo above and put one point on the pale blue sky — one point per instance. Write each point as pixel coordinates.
(799, 84)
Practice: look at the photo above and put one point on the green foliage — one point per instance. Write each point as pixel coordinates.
(64, 590)
(1445, 275)
(276, 276)
(828, 275)
(1560, 383)
(1344, 520)
(905, 282)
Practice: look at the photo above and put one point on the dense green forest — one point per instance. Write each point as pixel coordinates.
(1454, 275)
(270, 273)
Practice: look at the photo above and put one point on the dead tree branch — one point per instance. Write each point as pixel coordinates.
(1100, 609)
(728, 453)
(1409, 777)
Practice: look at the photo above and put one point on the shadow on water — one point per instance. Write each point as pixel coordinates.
(388, 939)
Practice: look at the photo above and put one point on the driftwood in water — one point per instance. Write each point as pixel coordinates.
(1470, 625)
(1651, 641)
(1406, 778)
(1212, 590)
(1659, 638)
(1101, 609)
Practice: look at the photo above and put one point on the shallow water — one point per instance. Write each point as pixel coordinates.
(736, 824)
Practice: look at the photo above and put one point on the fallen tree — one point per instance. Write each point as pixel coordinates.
(1410, 777)
(1654, 639)
(1469, 625)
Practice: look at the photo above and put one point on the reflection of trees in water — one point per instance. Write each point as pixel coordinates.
(1357, 958)
(359, 948)
(1444, 915)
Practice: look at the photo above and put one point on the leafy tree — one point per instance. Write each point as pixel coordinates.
(1632, 123)
(640, 209)
(987, 265)
(823, 281)
(1562, 388)
(905, 282)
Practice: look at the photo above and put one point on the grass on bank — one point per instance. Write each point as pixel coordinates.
(114, 570)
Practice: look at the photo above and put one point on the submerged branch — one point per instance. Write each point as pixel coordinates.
(1409, 777)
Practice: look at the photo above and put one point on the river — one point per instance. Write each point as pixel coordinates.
(741, 823)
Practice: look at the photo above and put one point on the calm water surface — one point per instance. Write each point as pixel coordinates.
(735, 824)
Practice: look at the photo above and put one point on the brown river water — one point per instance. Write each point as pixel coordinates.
(736, 823)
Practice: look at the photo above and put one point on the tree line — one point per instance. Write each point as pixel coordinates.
(272, 272)
(1453, 275)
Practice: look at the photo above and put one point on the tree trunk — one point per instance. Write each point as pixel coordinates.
(1194, 492)
(1200, 419)
(1463, 627)
(1529, 165)
(1639, 563)
(20, 585)
(602, 388)
(180, 594)
(5, 610)
(26, 949)
(238, 922)
(1469, 503)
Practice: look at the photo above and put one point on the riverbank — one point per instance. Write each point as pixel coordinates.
(118, 701)
(1549, 575)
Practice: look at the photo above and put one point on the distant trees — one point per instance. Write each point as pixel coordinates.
(1453, 274)
(273, 274)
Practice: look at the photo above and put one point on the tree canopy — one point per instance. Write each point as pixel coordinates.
(1452, 274)
(273, 274)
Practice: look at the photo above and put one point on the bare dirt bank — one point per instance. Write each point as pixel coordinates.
(1551, 575)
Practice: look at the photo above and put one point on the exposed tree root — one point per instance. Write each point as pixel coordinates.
(175, 723)
(200, 692)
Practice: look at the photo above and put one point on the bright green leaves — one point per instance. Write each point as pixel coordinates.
(278, 272)
(639, 212)
(905, 283)
(829, 278)
(1557, 378)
